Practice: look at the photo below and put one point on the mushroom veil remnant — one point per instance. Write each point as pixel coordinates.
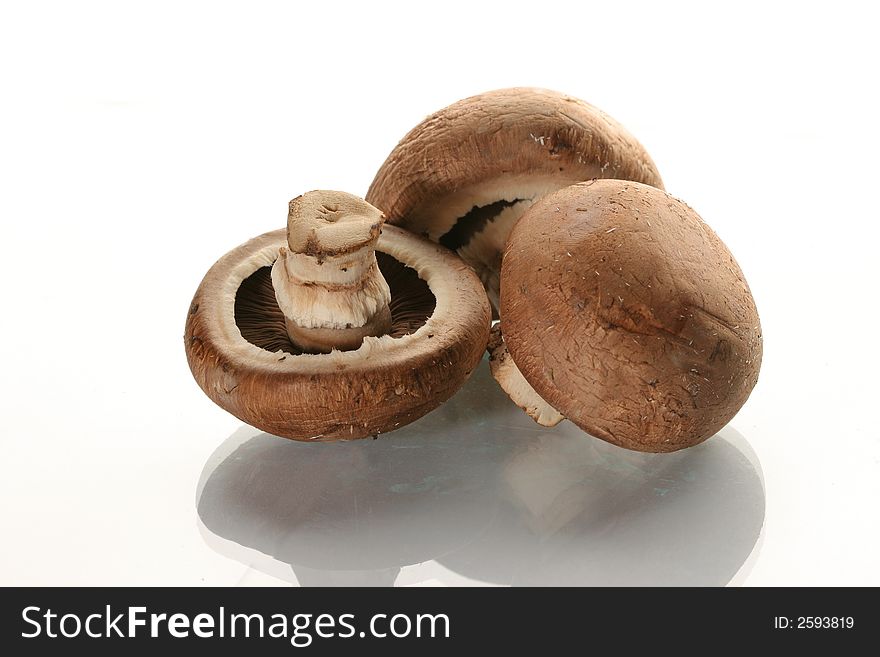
(336, 328)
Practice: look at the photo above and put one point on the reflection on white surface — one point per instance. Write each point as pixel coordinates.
(477, 491)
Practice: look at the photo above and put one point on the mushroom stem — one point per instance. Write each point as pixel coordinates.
(327, 281)
(516, 386)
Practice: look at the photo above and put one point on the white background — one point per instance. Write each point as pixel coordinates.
(141, 141)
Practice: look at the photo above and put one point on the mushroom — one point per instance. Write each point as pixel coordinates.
(465, 174)
(628, 315)
(338, 327)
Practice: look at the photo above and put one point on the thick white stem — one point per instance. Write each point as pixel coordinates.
(327, 282)
(515, 385)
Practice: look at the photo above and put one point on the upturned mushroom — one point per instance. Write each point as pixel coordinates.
(465, 174)
(628, 315)
(338, 327)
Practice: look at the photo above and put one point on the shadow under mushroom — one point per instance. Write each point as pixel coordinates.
(478, 488)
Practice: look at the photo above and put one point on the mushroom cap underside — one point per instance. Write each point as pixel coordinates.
(440, 328)
(629, 316)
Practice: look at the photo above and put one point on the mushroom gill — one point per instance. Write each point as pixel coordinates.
(473, 222)
(261, 321)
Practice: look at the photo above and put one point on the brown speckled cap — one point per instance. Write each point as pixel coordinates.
(465, 174)
(629, 316)
(240, 353)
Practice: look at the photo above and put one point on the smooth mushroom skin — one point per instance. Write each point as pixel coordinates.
(628, 315)
(465, 174)
(386, 383)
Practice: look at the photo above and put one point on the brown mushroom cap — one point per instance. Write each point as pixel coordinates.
(241, 356)
(629, 316)
(465, 174)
